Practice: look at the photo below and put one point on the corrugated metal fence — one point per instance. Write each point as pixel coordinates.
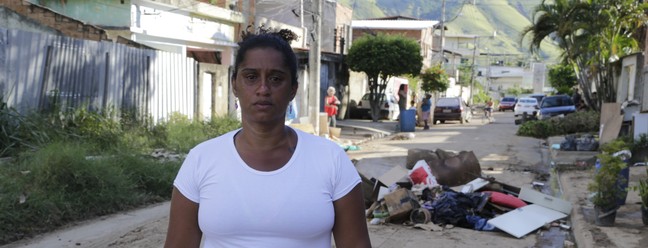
(37, 70)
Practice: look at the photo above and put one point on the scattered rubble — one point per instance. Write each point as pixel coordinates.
(422, 197)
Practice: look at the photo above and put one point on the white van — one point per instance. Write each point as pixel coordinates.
(388, 108)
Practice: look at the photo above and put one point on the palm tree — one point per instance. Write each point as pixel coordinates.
(592, 33)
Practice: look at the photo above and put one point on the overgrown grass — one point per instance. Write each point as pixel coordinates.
(80, 164)
(579, 122)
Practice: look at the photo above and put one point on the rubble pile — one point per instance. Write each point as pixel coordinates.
(443, 189)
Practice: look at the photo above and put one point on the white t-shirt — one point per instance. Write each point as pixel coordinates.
(289, 207)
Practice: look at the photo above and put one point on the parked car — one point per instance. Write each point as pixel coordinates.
(556, 105)
(451, 109)
(388, 108)
(526, 105)
(538, 97)
(507, 103)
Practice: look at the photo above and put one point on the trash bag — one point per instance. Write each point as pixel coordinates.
(479, 223)
(587, 143)
(452, 207)
(569, 144)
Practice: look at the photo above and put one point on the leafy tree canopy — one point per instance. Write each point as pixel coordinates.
(435, 79)
(385, 55)
(381, 57)
(563, 78)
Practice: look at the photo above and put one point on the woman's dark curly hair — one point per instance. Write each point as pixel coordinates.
(269, 38)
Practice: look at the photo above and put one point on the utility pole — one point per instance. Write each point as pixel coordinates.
(472, 75)
(314, 65)
(443, 7)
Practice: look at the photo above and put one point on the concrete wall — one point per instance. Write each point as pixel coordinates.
(108, 13)
(65, 25)
(12, 20)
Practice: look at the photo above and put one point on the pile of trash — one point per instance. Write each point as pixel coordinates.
(586, 142)
(422, 195)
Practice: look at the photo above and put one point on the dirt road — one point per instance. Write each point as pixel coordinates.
(510, 159)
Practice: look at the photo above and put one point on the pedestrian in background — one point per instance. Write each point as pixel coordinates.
(267, 184)
(426, 104)
(576, 98)
(331, 103)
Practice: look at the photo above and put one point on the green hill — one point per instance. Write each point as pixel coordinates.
(507, 17)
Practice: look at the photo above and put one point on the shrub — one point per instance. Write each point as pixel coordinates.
(60, 183)
(151, 177)
(579, 122)
(183, 134)
(607, 183)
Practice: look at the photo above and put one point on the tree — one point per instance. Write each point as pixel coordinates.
(562, 78)
(465, 73)
(381, 57)
(514, 91)
(593, 34)
(435, 79)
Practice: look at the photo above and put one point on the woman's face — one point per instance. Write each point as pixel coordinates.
(263, 86)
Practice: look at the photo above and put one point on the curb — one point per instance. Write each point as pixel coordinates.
(378, 134)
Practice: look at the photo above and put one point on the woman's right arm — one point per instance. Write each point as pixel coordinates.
(183, 228)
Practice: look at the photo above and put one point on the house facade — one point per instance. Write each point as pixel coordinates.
(195, 29)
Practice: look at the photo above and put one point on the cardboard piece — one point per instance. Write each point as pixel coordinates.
(323, 124)
(474, 185)
(394, 175)
(611, 120)
(533, 196)
(400, 202)
(335, 132)
(521, 221)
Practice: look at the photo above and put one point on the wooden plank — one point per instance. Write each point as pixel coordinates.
(611, 120)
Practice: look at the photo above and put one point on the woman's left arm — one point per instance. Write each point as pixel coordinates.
(350, 228)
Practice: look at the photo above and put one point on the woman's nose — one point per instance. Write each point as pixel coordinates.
(264, 87)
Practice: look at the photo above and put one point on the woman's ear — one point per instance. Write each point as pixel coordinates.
(293, 91)
(233, 84)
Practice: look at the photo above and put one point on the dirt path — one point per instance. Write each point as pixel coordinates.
(144, 227)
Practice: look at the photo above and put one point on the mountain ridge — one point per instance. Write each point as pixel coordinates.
(476, 17)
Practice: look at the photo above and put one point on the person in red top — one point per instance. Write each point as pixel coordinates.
(331, 103)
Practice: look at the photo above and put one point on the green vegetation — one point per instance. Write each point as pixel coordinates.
(639, 149)
(593, 35)
(68, 166)
(517, 91)
(562, 78)
(579, 122)
(642, 188)
(608, 180)
(508, 18)
(435, 79)
(381, 57)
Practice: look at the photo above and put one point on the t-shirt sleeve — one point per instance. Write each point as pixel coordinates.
(346, 176)
(186, 181)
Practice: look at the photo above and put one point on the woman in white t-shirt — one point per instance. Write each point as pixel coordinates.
(266, 184)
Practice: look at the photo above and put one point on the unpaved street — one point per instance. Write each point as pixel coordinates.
(508, 158)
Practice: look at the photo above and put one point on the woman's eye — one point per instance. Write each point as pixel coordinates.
(250, 78)
(275, 80)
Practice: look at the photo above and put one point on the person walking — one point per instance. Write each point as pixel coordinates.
(426, 104)
(576, 98)
(266, 184)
